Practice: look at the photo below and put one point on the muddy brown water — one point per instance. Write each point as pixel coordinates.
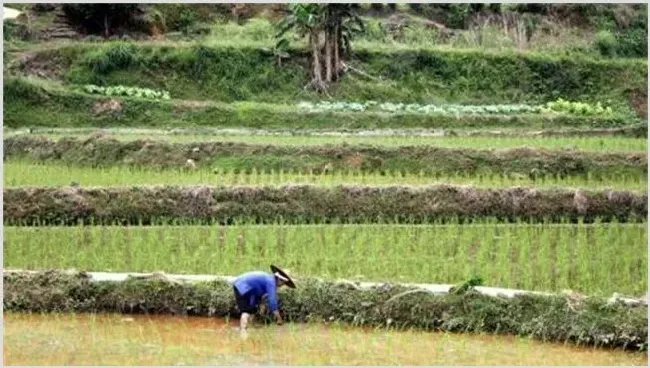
(110, 339)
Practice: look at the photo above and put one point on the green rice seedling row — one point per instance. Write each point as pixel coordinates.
(26, 173)
(597, 259)
(596, 144)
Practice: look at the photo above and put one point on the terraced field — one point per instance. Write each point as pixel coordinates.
(434, 177)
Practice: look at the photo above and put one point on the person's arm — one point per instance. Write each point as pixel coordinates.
(272, 302)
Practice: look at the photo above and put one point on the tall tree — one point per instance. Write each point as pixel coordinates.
(329, 28)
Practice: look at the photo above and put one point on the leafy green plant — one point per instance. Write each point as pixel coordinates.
(577, 108)
(559, 106)
(127, 91)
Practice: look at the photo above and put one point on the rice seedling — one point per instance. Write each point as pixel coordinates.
(535, 257)
(594, 144)
(21, 173)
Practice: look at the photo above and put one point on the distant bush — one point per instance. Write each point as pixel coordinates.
(184, 17)
(118, 55)
(629, 43)
(606, 43)
(13, 30)
(633, 43)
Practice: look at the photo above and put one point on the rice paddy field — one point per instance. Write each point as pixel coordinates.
(551, 257)
(59, 321)
(148, 340)
(598, 144)
(51, 174)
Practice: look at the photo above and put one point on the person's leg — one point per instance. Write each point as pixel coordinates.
(245, 308)
(243, 320)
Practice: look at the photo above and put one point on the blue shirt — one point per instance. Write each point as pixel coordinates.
(256, 284)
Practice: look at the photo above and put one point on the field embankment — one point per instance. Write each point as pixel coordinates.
(97, 151)
(589, 321)
(300, 204)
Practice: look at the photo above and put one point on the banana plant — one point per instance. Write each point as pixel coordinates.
(329, 28)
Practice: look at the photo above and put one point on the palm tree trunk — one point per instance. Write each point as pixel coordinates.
(106, 26)
(328, 55)
(337, 54)
(316, 56)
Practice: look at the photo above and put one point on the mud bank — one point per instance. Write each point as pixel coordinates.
(100, 151)
(311, 204)
(35, 339)
(587, 321)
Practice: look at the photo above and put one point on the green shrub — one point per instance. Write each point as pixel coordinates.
(628, 43)
(606, 43)
(13, 30)
(632, 43)
(114, 56)
(184, 17)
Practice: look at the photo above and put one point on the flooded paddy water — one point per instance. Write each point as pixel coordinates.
(112, 339)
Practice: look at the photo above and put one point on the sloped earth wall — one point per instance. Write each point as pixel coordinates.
(312, 204)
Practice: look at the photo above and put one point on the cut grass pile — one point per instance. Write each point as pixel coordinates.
(591, 321)
(596, 259)
(110, 339)
(19, 173)
(599, 144)
(301, 204)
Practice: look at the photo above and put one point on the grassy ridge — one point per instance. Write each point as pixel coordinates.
(594, 259)
(241, 156)
(199, 72)
(30, 173)
(30, 102)
(305, 204)
(551, 318)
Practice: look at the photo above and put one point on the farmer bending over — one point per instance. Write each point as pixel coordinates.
(251, 287)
